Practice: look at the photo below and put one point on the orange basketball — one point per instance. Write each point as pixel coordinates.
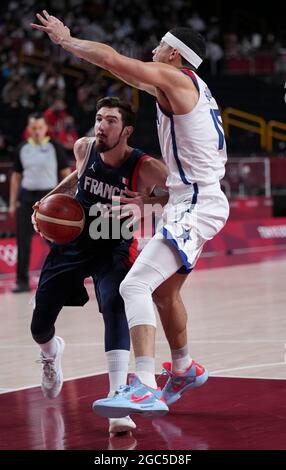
(60, 218)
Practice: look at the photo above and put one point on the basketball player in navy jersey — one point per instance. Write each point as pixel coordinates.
(106, 166)
(193, 147)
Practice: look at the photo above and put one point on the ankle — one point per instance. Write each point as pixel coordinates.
(147, 378)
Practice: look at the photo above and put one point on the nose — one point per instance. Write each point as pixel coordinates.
(154, 50)
(100, 126)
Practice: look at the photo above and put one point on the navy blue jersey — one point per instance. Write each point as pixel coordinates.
(100, 182)
(107, 261)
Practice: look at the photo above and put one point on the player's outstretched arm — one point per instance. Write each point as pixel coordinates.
(148, 73)
(136, 84)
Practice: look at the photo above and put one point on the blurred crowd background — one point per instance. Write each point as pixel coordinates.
(245, 70)
(37, 75)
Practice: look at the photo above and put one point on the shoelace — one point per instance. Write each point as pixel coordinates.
(122, 389)
(49, 364)
(166, 372)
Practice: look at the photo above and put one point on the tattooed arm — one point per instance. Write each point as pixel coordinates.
(66, 186)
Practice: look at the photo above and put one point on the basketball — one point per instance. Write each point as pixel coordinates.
(60, 218)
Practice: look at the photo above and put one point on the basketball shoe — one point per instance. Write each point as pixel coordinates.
(52, 375)
(133, 398)
(178, 383)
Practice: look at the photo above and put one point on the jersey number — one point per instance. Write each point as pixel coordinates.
(215, 114)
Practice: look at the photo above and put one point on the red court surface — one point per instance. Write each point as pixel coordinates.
(226, 413)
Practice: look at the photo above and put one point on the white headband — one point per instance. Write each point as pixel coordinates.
(184, 50)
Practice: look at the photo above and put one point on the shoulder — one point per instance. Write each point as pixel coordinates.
(153, 171)
(139, 154)
(148, 162)
(80, 146)
(21, 151)
(140, 158)
(21, 146)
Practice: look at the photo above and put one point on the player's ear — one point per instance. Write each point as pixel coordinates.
(174, 54)
(128, 131)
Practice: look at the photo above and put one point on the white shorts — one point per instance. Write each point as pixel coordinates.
(184, 229)
(188, 224)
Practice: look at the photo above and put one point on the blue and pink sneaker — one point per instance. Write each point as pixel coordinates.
(133, 398)
(178, 383)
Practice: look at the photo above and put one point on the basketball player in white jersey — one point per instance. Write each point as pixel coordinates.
(193, 146)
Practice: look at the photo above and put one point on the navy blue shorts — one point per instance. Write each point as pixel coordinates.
(67, 266)
(62, 284)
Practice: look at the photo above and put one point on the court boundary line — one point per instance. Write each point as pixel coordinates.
(253, 366)
(216, 375)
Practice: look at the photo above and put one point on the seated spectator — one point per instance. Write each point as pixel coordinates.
(50, 78)
(68, 135)
(55, 116)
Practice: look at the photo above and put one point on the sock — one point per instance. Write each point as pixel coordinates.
(145, 370)
(181, 359)
(50, 348)
(117, 362)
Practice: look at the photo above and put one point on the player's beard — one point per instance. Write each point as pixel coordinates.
(103, 147)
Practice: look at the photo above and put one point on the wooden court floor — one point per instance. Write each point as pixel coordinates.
(237, 329)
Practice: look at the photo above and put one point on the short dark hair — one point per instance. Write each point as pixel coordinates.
(37, 116)
(192, 39)
(125, 108)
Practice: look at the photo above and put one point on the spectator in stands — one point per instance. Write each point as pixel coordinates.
(68, 135)
(55, 116)
(121, 90)
(49, 79)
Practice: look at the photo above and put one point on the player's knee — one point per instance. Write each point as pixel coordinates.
(42, 324)
(132, 286)
(41, 332)
(136, 293)
(123, 288)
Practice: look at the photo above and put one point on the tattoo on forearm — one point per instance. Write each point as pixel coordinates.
(67, 186)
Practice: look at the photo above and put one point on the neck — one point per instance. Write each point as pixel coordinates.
(39, 141)
(190, 67)
(178, 64)
(117, 156)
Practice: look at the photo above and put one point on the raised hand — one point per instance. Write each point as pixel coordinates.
(54, 28)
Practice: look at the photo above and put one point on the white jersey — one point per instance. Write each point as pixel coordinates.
(193, 144)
